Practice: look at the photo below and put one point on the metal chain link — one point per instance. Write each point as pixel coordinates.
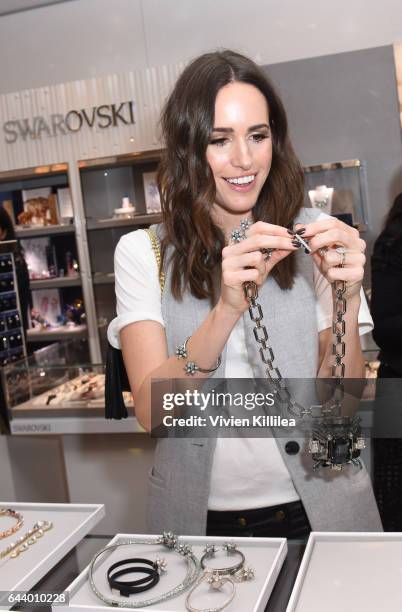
(335, 441)
(267, 354)
(339, 346)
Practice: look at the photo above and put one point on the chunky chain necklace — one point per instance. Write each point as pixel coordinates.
(335, 440)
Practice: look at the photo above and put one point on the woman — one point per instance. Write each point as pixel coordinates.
(228, 158)
(386, 308)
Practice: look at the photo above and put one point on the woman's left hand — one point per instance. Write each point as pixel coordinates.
(324, 237)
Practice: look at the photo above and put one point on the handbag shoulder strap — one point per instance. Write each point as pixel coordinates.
(157, 252)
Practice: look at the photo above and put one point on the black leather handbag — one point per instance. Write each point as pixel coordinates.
(116, 379)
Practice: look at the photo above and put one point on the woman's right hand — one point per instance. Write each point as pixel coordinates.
(243, 261)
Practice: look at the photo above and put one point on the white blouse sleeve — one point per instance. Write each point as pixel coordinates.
(138, 294)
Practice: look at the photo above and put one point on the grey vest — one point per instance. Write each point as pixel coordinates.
(179, 481)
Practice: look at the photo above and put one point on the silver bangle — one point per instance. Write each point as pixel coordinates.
(231, 549)
(216, 582)
(191, 367)
(170, 541)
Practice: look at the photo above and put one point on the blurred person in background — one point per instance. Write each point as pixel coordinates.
(386, 299)
(386, 310)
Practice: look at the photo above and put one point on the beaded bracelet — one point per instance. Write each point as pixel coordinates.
(170, 541)
(26, 540)
(15, 515)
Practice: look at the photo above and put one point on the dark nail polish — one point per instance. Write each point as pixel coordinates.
(301, 232)
(307, 251)
(296, 243)
(291, 232)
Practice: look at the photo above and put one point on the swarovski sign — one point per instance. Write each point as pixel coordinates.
(57, 124)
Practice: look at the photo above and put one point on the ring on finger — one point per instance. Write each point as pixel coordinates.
(342, 252)
(267, 253)
(322, 251)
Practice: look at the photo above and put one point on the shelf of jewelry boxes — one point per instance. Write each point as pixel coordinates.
(61, 400)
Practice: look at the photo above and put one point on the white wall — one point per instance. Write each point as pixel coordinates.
(85, 38)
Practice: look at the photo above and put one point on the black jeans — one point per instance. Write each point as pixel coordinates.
(283, 521)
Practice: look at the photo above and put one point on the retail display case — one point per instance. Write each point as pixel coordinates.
(339, 189)
(12, 346)
(38, 201)
(119, 196)
(56, 390)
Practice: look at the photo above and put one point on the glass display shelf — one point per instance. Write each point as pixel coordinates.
(45, 230)
(339, 189)
(44, 393)
(57, 281)
(56, 333)
(138, 219)
(119, 196)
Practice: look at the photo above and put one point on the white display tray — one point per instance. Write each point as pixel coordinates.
(71, 522)
(349, 571)
(265, 555)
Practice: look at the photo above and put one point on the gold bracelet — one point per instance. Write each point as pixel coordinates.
(15, 515)
(26, 540)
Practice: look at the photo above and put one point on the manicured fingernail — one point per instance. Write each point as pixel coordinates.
(296, 243)
(301, 232)
(291, 232)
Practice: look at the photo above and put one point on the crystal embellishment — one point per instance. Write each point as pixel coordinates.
(190, 368)
(184, 549)
(246, 573)
(181, 351)
(214, 580)
(169, 539)
(210, 550)
(230, 547)
(245, 224)
(237, 235)
(161, 565)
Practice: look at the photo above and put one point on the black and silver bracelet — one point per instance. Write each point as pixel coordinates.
(191, 367)
(128, 587)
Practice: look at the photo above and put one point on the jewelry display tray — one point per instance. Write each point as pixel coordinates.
(361, 571)
(71, 523)
(265, 555)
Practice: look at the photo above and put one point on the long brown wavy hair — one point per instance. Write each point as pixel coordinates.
(186, 182)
